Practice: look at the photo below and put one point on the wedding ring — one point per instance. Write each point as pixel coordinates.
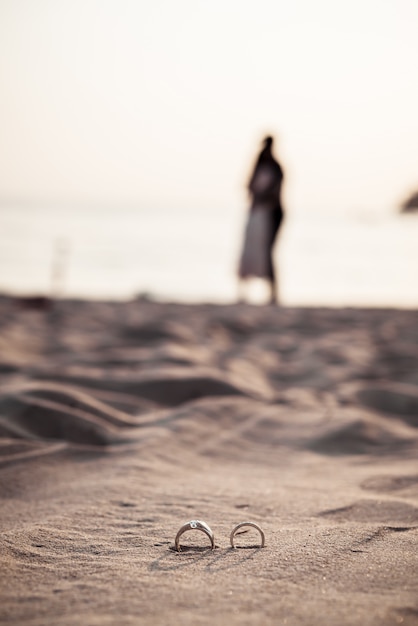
(194, 524)
(254, 525)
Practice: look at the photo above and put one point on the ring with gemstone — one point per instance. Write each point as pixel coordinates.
(253, 525)
(194, 524)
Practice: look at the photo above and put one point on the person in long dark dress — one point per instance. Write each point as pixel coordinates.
(264, 220)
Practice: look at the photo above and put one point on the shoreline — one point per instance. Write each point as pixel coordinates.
(30, 297)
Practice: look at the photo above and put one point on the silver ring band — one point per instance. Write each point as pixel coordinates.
(253, 525)
(194, 524)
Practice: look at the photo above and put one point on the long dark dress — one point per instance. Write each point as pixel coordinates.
(264, 219)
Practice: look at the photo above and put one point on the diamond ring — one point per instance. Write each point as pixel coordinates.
(194, 524)
(253, 525)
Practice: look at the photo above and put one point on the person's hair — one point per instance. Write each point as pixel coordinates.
(265, 154)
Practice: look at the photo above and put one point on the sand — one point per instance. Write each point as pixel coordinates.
(121, 421)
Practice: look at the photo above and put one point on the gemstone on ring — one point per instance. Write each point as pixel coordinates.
(194, 524)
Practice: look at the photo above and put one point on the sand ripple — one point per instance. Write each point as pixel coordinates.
(137, 369)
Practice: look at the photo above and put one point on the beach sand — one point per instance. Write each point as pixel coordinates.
(119, 422)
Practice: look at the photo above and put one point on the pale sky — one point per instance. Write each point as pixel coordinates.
(163, 104)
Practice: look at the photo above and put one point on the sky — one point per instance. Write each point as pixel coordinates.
(164, 103)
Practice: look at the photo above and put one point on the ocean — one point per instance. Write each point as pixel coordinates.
(367, 258)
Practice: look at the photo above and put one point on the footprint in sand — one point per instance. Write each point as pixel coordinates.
(388, 484)
(17, 451)
(393, 399)
(163, 390)
(363, 435)
(26, 417)
(375, 511)
(407, 616)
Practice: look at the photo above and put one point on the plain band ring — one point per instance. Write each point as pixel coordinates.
(194, 524)
(253, 525)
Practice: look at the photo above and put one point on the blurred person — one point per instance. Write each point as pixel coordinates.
(264, 220)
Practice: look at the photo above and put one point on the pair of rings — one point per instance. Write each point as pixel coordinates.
(196, 524)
